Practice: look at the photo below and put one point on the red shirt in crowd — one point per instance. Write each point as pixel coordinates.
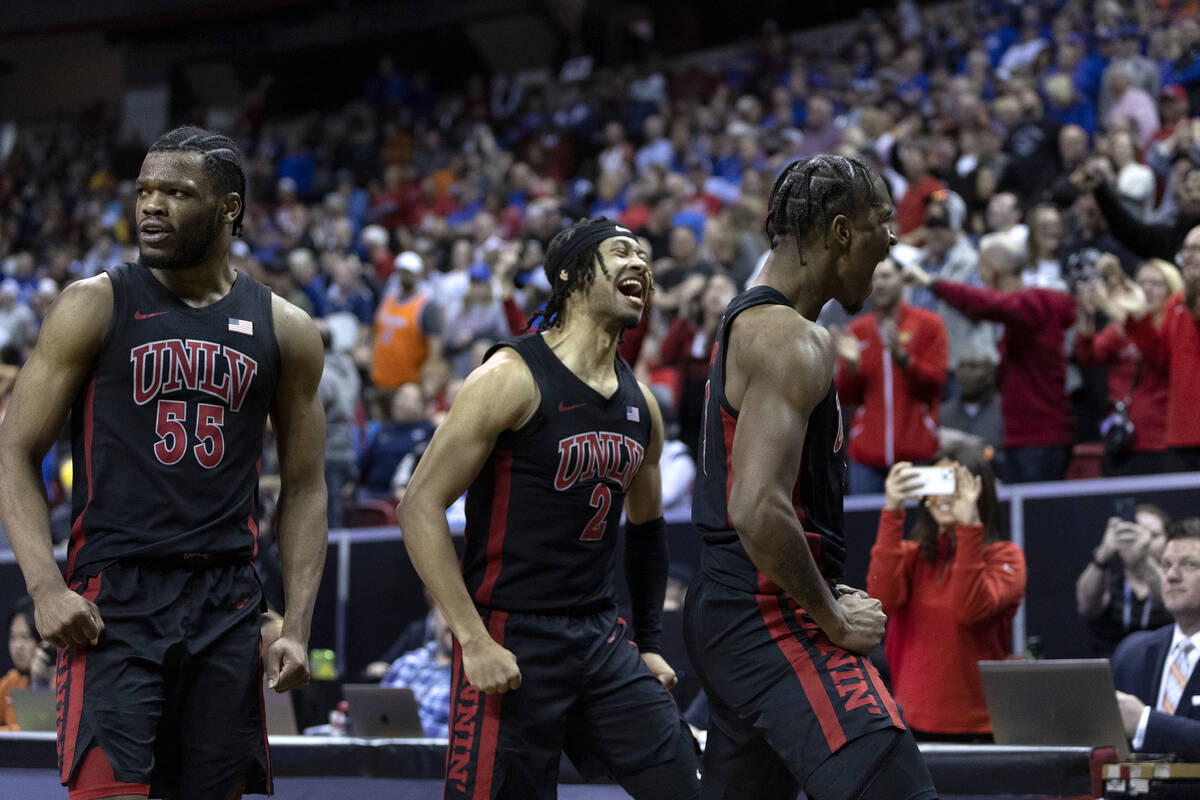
(897, 407)
(910, 211)
(1175, 347)
(943, 618)
(1146, 400)
(1033, 366)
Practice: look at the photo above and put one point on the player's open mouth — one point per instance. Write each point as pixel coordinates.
(633, 288)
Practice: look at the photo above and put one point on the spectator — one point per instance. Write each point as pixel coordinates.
(1153, 699)
(398, 443)
(687, 348)
(975, 407)
(31, 662)
(477, 316)
(1139, 386)
(1135, 182)
(1088, 241)
(1120, 590)
(949, 255)
(426, 671)
(1045, 246)
(17, 323)
(408, 327)
(1037, 417)
(1146, 239)
(892, 368)
(950, 594)
(339, 392)
(1175, 345)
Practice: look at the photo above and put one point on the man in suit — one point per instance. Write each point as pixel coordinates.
(1158, 685)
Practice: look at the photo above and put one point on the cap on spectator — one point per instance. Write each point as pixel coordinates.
(374, 236)
(10, 286)
(409, 262)
(937, 216)
(1173, 91)
(479, 271)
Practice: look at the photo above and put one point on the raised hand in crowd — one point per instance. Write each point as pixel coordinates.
(846, 346)
(913, 275)
(899, 485)
(967, 487)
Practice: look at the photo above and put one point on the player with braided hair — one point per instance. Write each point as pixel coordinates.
(778, 643)
(170, 368)
(550, 437)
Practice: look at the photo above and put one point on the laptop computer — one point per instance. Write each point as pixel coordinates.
(35, 708)
(382, 712)
(1053, 702)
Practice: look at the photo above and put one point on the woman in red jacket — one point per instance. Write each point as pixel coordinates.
(950, 594)
(1139, 384)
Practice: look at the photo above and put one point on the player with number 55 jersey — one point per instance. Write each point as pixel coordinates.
(550, 437)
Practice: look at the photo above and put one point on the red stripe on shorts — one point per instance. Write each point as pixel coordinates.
(805, 670)
(70, 693)
(491, 721)
(884, 694)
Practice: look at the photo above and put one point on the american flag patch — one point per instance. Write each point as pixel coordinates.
(241, 326)
(631, 414)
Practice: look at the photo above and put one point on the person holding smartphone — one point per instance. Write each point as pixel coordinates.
(950, 593)
(1119, 590)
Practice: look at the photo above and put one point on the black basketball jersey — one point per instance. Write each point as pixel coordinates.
(167, 430)
(819, 486)
(543, 513)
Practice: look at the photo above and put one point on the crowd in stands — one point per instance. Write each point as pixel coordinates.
(1045, 168)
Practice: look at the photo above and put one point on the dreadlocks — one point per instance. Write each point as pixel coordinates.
(578, 267)
(222, 160)
(808, 194)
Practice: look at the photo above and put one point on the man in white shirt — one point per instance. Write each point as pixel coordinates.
(1158, 685)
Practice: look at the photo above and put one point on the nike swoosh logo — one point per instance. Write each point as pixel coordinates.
(564, 407)
(140, 315)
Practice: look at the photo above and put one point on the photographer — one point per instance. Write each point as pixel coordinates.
(950, 594)
(1118, 592)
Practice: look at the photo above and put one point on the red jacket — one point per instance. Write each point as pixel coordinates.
(943, 618)
(1147, 401)
(1176, 347)
(896, 418)
(1033, 366)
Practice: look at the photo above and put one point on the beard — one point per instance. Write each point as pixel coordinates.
(1191, 293)
(190, 248)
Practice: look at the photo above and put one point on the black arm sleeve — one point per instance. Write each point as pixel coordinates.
(646, 563)
(1144, 239)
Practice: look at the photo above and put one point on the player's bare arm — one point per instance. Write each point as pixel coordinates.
(643, 504)
(779, 368)
(300, 427)
(72, 335)
(500, 395)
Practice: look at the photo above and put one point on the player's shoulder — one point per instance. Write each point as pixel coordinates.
(503, 378)
(779, 334)
(296, 333)
(86, 305)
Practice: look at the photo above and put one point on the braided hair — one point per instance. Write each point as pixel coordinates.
(580, 274)
(809, 193)
(222, 161)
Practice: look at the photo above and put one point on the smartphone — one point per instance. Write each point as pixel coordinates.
(1125, 508)
(935, 481)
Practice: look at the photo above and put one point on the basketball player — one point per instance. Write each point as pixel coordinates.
(777, 643)
(552, 435)
(172, 365)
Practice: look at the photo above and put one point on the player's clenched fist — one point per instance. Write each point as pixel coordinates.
(489, 667)
(64, 618)
(862, 625)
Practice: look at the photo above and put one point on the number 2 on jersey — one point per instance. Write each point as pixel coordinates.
(601, 501)
(172, 442)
